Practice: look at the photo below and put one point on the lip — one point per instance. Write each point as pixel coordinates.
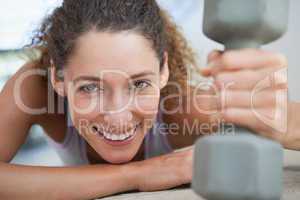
(120, 143)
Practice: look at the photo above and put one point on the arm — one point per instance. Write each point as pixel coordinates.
(95, 181)
(196, 117)
(292, 138)
(240, 72)
(15, 123)
(289, 140)
(85, 182)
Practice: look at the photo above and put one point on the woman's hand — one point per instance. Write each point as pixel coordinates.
(251, 85)
(165, 172)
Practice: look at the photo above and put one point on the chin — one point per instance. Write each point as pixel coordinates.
(119, 160)
(118, 157)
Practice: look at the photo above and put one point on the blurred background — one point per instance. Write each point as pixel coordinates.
(19, 20)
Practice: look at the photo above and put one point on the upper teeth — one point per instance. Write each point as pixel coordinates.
(122, 136)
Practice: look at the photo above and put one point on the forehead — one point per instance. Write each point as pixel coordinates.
(128, 52)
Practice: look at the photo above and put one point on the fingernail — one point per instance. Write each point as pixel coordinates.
(213, 54)
(212, 64)
(205, 71)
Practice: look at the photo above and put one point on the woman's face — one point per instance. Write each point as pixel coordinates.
(113, 82)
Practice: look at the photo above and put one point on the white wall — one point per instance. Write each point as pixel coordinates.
(289, 45)
(19, 18)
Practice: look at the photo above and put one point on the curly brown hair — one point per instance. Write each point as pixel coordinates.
(59, 31)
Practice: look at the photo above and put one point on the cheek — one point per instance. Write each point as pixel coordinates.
(86, 102)
(84, 123)
(147, 108)
(147, 105)
(83, 111)
(87, 108)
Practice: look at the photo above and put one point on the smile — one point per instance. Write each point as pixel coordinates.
(117, 137)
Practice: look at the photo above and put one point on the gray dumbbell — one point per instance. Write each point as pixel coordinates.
(243, 165)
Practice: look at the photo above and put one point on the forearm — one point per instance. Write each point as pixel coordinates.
(198, 115)
(292, 137)
(84, 182)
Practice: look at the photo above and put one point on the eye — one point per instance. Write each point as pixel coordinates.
(89, 88)
(141, 84)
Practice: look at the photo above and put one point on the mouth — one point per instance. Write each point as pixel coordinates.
(117, 138)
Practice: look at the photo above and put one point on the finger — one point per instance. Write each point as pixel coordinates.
(211, 57)
(238, 116)
(275, 77)
(256, 122)
(188, 149)
(215, 54)
(246, 59)
(247, 99)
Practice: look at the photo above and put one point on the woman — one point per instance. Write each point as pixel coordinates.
(120, 69)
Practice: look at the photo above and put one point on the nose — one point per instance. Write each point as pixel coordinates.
(123, 117)
(119, 122)
(117, 111)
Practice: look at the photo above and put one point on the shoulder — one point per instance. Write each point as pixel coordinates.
(25, 89)
(32, 96)
(28, 89)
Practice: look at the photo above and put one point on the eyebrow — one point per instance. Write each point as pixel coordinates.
(95, 78)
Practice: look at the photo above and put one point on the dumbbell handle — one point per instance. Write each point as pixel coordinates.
(241, 45)
(233, 45)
